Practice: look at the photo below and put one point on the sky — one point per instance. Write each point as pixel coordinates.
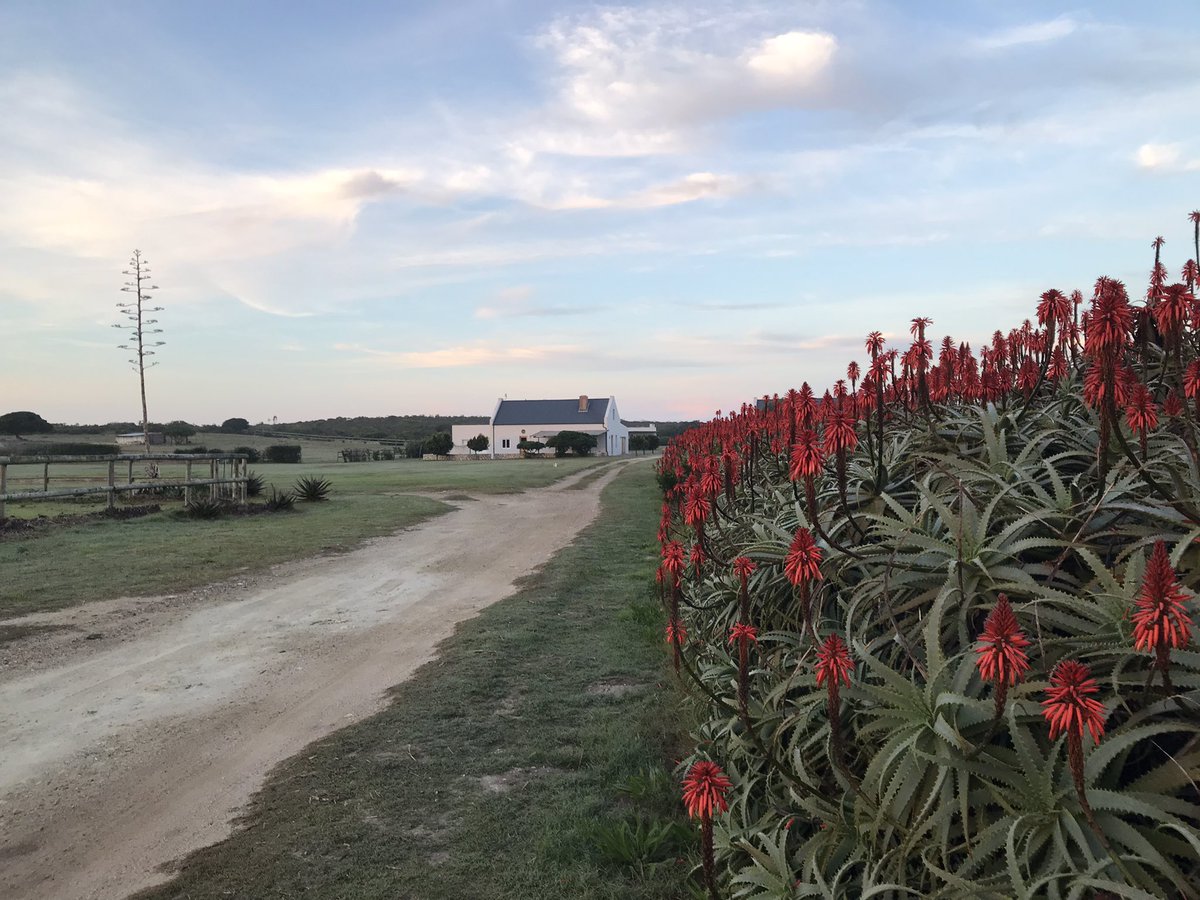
(386, 208)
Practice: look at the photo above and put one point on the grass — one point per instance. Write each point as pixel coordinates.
(165, 552)
(500, 768)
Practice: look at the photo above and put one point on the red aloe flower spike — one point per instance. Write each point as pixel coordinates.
(676, 633)
(697, 559)
(1160, 621)
(1141, 414)
(803, 561)
(1069, 707)
(834, 665)
(808, 458)
(1001, 657)
(1173, 405)
(704, 790)
(672, 555)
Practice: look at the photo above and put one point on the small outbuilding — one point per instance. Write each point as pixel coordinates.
(133, 438)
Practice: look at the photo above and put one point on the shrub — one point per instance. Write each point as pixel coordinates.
(235, 425)
(201, 507)
(439, 444)
(24, 422)
(477, 444)
(311, 489)
(531, 448)
(190, 450)
(413, 450)
(252, 454)
(65, 449)
(280, 501)
(573, 441)
(282, 453)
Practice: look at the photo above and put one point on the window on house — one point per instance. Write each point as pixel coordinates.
(504, 443)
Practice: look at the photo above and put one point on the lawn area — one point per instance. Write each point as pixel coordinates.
(167, 551)
(509, 767)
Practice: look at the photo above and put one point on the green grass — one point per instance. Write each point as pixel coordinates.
(397, 805)
(167, 552)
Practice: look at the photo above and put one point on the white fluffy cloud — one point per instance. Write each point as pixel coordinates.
(1164, 158)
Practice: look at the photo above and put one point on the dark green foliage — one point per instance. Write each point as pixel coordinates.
(477, 444)
(190, 450)
(254, 484)
(235, 426)
(280, 501)
(178, 431)
(63, 449)
(204, 507)
(404, 428)
(572, 441)
(413, 450)
(531, 448)
(252, 454)
(639, 842)
(312, 489)
(643, 443)
(24, 422)
(439, 444)
(282, 453)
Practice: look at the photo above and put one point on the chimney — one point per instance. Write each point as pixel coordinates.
(583, 403)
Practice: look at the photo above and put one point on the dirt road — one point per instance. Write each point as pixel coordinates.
(120, 753)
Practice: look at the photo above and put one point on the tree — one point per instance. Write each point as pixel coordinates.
(534, 448)
(179, 431)
(24, 422)
(140, 333)
(439, 444)
(235, 426)
(478, 443)
(574, 441)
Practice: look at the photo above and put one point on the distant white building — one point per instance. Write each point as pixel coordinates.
(132, 438)
(514, 421)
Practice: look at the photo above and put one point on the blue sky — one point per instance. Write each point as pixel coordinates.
(382, 208)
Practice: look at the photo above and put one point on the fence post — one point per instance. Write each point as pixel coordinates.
(187, 483)
(130, 472)
(3, 487)
(45, 476)
(112, 484)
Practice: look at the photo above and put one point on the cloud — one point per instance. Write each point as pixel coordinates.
(467, 355)
(1164, 158)
(516, 302)
(653, 75)
(1033, 33)
(793, 58)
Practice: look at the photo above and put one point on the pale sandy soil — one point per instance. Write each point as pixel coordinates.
(122, 752)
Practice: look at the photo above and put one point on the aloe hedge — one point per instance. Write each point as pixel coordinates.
(829, 569)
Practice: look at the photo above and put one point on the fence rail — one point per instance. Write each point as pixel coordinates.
(233, 487)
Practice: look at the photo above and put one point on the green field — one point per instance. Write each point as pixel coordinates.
(508, 767)
(167, 552)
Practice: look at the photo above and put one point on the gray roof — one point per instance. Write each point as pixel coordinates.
(550, 412)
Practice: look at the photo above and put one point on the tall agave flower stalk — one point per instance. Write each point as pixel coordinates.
(704, 793)
(742, 636)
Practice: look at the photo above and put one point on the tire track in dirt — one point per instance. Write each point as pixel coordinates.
(117, 760)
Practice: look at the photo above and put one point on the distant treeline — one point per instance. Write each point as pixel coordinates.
(400, 428)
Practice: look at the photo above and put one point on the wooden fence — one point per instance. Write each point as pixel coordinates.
(226, 476)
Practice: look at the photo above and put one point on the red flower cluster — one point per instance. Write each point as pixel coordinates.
(704, 790)
(1160, 621)
(803, 561)
(833, 662)
(1001, 658)
(1069, 706)
(743, 632)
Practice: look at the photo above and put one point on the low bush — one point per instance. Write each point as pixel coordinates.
(282, 453)
(252, 454)
(67, 448)
(204, 508)
(254, 484)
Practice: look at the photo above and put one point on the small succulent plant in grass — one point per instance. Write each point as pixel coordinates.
(311, 489)
(254, 484)
(204, 508)
(280, 501)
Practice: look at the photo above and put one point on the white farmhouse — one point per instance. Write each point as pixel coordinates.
(514, 421)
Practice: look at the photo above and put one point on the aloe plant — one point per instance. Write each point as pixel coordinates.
(945, 764)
